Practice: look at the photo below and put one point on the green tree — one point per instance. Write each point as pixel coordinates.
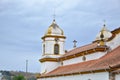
(19, 77)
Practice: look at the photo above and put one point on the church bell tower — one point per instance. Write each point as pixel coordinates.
(52, 47)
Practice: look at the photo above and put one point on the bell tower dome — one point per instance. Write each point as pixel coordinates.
(54, 29)
(52, 47)
(53, 41)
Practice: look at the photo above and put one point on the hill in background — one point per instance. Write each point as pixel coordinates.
(8, 75)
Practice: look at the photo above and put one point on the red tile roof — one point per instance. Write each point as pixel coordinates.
(116, 31)
(110, 60)
(80, 49)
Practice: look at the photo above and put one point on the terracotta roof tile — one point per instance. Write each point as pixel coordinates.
(109, 60)
(80, 49)
(116, 31)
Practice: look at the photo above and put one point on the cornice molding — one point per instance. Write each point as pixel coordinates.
(55, 36)
(49, 59)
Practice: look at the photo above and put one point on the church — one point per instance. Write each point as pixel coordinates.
(99, 60)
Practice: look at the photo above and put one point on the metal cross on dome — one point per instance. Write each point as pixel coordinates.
(54, 14)
(74, 43)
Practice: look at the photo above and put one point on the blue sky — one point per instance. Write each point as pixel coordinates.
(24, 22)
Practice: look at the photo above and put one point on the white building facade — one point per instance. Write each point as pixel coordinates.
(92, 76)
(90, 62)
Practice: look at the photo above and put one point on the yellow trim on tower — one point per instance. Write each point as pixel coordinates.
(48, 59)
(55, 36)
(49, 30)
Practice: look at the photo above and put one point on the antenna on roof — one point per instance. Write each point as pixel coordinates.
(26, 66)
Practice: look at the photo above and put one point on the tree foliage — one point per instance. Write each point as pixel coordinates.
(19, 77)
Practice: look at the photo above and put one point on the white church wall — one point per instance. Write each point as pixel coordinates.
(88, 57)
(49, 47)
(117, 77)
(62, 45)
(95, 55)
(49, 66)
(92, 76)
(72, 61)
(115, 42)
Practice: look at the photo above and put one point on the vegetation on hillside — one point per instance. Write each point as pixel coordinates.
(17, 75)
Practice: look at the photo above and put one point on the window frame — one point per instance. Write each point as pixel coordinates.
(56, 50)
